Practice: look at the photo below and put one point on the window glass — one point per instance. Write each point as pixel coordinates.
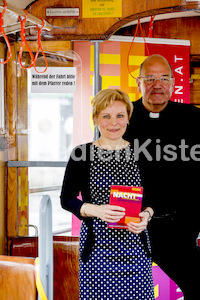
(50, 126)
(50, 183)
(50, 139)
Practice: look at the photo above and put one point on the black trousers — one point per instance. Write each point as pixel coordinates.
(174, 250)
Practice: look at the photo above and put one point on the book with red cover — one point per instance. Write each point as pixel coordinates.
(129, 197)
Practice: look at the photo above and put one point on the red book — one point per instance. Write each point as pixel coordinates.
(129, 197)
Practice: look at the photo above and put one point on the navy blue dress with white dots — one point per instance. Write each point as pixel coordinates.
(118, 268)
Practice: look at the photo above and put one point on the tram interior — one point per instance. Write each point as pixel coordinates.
(39, 124)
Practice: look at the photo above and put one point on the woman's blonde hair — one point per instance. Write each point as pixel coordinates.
(106, 97)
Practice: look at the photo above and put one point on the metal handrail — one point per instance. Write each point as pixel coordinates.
(45, 189)
(57, 232)
(26, 164)
(46, 246)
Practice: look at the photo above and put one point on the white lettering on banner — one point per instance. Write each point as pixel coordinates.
(179, 70)
(178, 89)
(179, 100)
(177, 58)
(55, 80)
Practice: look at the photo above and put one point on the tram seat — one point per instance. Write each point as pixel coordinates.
(66, 285)
(17, 280)
(24, 246)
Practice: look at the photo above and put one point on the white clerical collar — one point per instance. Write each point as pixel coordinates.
(154, 115)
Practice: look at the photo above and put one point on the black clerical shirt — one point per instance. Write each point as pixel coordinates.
(167, 146)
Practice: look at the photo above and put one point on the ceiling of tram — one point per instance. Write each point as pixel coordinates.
(12, 18)
(20, 3)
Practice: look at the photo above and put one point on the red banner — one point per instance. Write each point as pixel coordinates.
(120, 60)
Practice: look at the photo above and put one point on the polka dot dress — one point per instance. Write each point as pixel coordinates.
(118, 267)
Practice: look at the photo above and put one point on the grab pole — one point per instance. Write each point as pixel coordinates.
(97, 83)
(46, 246)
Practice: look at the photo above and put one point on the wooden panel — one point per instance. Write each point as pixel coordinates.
(12, 202)
(23, 198)
(66, 284)
(2, 178)
(66, 261)
(22, 136)
(11, 128)
(2, 202)
(11, 90)
(49, 46)
(195, 86)
(17, 278)
(170, 29)
(102, 28)
(23, 246)
(22, 110)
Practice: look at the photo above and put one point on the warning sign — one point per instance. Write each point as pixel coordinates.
(102, 8)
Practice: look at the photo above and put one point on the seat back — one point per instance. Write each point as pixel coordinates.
(66, 256)
(17, 279)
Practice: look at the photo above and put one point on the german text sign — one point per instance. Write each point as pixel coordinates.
(54, 80)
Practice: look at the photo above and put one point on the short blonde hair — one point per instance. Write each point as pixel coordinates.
(106, 97)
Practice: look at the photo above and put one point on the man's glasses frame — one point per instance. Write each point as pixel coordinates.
(150, 79)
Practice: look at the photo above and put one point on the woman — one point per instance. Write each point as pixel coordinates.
(113, 263)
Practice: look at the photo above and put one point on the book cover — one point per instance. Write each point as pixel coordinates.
(129, 197)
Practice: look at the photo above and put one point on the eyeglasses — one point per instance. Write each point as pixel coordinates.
(164, 79)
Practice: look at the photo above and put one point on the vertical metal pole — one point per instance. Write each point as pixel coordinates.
(46, 246)
(97, 84)
(97, 78)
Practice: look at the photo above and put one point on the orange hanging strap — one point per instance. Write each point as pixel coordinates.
(130, 50)
(4, 35)
(40, 47)
(24, 43)
(148, 53)
(151, 27)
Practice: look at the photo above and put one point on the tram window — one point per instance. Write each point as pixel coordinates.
(50, 126)
(50, 139)
(44, 181)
